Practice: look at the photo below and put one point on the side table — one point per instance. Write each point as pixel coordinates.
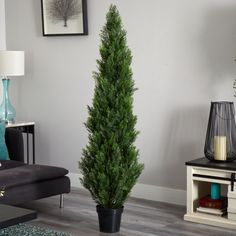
(28, 128)
(200, 174)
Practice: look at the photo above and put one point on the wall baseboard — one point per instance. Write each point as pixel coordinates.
(144, 191)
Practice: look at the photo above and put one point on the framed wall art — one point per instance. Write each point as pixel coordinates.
(64, 17)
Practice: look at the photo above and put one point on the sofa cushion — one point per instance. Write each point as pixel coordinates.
(27, 174)
(15, 144)
(10, 164)
(4, 155)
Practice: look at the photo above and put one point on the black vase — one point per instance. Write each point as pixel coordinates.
(109, 219)
(220, 142)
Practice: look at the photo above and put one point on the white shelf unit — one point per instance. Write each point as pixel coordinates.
(199, 186)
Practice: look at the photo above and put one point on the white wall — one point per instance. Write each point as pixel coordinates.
(183, 57)
(2, 25)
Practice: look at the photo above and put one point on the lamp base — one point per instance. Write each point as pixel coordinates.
(7, 111)
(8, 122)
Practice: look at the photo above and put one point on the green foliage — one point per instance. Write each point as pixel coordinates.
(109, 164)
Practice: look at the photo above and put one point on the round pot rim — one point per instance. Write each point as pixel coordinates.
(222, 102)
(101, 208)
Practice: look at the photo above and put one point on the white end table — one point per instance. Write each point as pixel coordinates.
(200, 174)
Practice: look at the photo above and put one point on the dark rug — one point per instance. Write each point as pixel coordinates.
(28, 230)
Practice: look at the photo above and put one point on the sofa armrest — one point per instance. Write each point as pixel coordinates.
(15, 144)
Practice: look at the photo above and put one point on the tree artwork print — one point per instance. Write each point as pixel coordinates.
(64, 17)
(63, 10)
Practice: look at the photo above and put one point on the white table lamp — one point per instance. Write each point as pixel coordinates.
(12, 63)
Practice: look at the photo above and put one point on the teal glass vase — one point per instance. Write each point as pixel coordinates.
(7, 111)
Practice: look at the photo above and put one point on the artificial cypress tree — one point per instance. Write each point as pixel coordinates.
(109, 164)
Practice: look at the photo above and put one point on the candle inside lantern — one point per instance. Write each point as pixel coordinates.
(220, 148)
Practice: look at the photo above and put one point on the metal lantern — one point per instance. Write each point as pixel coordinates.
(220, 142)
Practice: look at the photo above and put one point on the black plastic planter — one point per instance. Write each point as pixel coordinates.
(109, 219)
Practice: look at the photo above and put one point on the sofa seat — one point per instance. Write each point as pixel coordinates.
(24, 183)
(10, 164)
(16, 174)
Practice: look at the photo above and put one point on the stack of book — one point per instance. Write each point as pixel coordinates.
(217, 207)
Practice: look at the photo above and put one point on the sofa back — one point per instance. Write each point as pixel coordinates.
(15, 144)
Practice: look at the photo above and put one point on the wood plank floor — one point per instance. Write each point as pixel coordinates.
(140, 218)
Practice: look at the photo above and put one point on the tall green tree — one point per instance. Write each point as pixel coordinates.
(109, 164)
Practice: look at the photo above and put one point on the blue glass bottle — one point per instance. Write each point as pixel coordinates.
(7, 111)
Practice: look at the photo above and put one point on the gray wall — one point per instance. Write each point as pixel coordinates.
(13, 90)
(2, 32)
(183, 57)
(2, 25)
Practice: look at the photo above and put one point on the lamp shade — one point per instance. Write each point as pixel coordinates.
(12, 63)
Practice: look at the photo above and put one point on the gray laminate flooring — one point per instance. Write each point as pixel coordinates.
(140, 218)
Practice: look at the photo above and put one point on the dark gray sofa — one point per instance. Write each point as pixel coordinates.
(25, 182)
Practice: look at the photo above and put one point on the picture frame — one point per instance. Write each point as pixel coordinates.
(64, 17)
